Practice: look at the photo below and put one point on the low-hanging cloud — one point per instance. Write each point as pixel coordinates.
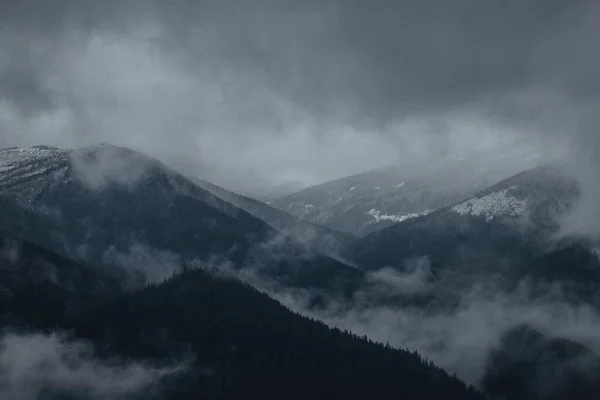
(583, 218)
(100, 166)
(459, 339)
(10, 250)
(459, 335)
(246, 94)
(36, 364)
(142, 264)
(413, 279)
(303, 242)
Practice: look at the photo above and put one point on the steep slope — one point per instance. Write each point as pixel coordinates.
(116, 206)
(502, 227)
(39, 286)
(323, 239)
(252, 347)
(531, 365)
(366, 202)
(242, 343)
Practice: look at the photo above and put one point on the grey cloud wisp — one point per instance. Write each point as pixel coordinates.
(34, 364)
(245, 93)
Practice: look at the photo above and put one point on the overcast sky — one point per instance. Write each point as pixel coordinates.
(309, 90)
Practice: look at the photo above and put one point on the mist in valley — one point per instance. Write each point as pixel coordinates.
(265, 98)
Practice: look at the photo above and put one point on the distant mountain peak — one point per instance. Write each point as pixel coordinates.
(363, 203)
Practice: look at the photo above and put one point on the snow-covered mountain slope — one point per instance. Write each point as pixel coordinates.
(513, 220)
(114, 205)
(364, 203)
(492, 205)
(503, 240)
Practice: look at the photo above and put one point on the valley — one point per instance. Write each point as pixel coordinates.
(299, 199)
(120, 242)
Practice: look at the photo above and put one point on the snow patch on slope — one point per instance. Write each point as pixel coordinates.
(306, 207)
(378, 216)
(32, 159)
(496, 204)
(20, 167)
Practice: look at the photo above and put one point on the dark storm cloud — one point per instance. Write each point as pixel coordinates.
(274, 88)
(386, 59)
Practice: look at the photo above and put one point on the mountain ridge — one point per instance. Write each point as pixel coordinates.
(373, 200)
(82, 202)
(250, 343)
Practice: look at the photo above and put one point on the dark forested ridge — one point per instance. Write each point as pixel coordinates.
(256, 348)
(242, 343)
(531, 365)
(39, 286)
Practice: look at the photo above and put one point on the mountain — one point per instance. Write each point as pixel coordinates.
(280, 189)
(322, 239)
(248, 182)
(124, 217)
(235, 342)
(366, 202)
(118, 207)
(41, 286)
(495, 233)
(252, 347)
(530, 365)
